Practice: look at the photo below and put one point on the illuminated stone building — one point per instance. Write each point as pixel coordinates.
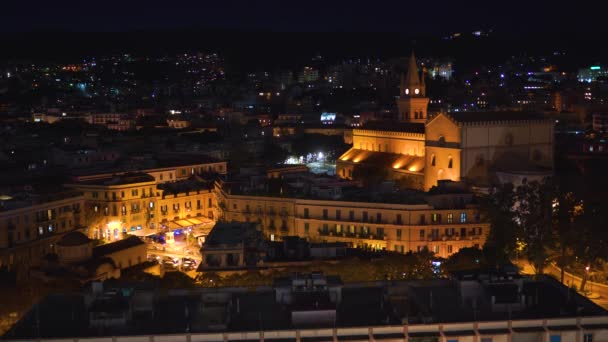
(480, 148)
(137, 204)
(442, 226)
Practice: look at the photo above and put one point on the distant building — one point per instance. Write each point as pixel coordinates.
(31, 225)
(481, 148)
(402, 224)
(592, 74)
(138, 204)
(178, 124)
(232, 245)
(76, 258)
(600, 122)
(113, 121)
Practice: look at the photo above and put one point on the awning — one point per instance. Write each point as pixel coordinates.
(184, 223)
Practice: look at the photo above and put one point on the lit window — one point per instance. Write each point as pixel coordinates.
(463, 217)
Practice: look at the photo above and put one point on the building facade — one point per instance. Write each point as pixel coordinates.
(380, 226)
(30, 228)
(137, 204)
(478, 147)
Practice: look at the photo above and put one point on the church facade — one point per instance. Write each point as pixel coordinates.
(480, 148)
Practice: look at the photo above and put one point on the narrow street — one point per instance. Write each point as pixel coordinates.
(598, 291)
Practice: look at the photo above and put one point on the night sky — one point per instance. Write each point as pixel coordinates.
(413, 17)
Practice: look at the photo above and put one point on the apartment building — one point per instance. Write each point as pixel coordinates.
(442, 229)
(136, 204)
(31, 224)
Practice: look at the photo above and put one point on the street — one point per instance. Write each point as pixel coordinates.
(598, 292)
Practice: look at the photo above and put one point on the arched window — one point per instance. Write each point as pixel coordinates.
(433, 160)
(441, 140)
(450, 162)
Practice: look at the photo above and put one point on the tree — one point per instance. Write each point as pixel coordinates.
(468, 258)
(534, 215)
(504, 232)
(567, 211)
(591, 245)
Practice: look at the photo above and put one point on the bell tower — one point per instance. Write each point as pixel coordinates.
(412, 101)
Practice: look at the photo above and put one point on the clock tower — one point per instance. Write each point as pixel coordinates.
(412, 101)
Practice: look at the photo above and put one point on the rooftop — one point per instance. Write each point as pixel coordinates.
(75, 238)
(120, 245)
(230, 233)
(395, 126)
(381, 304)
(27, 199)
(124, 179)
(469, 117)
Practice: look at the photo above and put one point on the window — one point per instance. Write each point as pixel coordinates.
(463, 232)
(325, 214)
(351, 215)
(378, 217)
(305, 212)
(422, 219)
(422, 233)
(161, 176)
(463, 217)
(123, 210)
(95, 194)
(449, 249)
(380, 232)
(365, 216)
(398, 218)
(398, 234)
(210, 203)
(436, 249)
(450, 163)
(486, 339)
(134, 192)
(435, 217)
(306, 227)
(338, 214)
(588, 338)
(450, 217)
(433, 160)
(555, 338)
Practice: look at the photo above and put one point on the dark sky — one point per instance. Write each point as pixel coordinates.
(413, 17)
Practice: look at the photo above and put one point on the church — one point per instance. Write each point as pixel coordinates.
(418, 149)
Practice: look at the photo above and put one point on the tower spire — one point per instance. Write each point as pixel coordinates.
(412, 79)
